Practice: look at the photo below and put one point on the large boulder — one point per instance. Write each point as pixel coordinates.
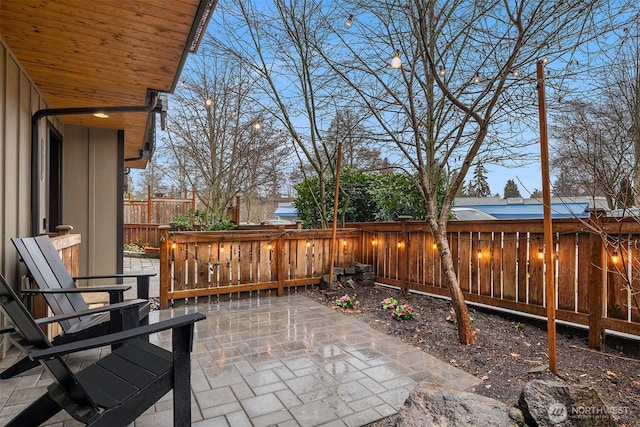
(551, 403)
(434, 405)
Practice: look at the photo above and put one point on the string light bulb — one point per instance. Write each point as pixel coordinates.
(349, 22)
(257, 125)
(270, 247)
(396, 62)
(221, 247)
(373, 241)
(308, 243)
(540, 253)
(344, 242)
(515, 73)
(442, 71)
(479, 253)
(476, 79)
(208, 102)
(615, 258)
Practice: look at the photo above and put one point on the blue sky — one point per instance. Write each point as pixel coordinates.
(527, 178)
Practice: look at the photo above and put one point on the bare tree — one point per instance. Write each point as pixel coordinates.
(277, 40)
(593, 144)
(598, 134)
(360, 149)
(465, 92)
(152, 177)
(222, 140)
(464, 95)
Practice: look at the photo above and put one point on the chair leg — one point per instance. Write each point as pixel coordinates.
(182, 342)
(19, 367)
(36, 413)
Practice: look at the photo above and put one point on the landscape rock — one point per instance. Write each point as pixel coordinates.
(552, 403)
(434, 405)
(325, 280)
(362, 268)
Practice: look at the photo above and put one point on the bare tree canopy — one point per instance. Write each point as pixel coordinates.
(222, 140)
(461, 92)
(597, 150)
(465, 92)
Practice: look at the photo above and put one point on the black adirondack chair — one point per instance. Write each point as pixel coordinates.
(59, 289)
(116, 389)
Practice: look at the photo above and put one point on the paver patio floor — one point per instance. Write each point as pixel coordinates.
(285, 361)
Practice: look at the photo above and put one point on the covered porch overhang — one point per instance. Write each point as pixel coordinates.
(101, 65)
(88, 55)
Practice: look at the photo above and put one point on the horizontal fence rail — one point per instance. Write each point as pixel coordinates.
(203, 264)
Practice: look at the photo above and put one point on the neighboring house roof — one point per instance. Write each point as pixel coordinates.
(285, 210)
(532, 208)
(91, 53)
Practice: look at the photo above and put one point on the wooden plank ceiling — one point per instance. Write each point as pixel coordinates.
(89, 53)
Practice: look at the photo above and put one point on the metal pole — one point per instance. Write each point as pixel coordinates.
(549, 277)
(336, 193)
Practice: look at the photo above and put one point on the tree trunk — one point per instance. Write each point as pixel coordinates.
(466, 334)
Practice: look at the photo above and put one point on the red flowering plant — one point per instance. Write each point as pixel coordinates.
(389, 303)
(403, 312)
(346, 301)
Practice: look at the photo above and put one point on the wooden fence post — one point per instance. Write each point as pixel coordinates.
(403, 254)
(149, 206)
(280, 260)
(597, 280)
(165, 265)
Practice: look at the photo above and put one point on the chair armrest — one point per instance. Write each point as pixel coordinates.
(90, 311)
(114, 288)
(115, 276)
(116, 292)
(142, 281)
(115, 338)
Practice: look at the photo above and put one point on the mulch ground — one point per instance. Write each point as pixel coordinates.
(510, 350)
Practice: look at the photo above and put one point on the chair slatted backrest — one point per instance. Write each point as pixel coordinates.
(49, 272)
(32, 335)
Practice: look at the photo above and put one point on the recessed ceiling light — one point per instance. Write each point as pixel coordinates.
(101, 115)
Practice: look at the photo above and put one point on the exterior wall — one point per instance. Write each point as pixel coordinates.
(90, 195)
(19, 99)
(91, 176)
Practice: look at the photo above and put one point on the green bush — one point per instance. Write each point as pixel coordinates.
(196, 219)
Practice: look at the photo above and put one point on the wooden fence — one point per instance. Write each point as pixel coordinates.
(498, 263)
(142, 217)
(202, 264)
(156, 210)
(142, 234)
